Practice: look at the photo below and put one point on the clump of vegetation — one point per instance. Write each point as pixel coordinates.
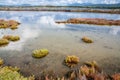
(89, 68)
(8, 24)
(71, 61)
(88, 71)
(11, 38)
(13, 24)
(87, 40)
(91, 71)
(40, 53)
(91, 63)
(5, 39)
(1, 61)
(116, 76)
(3, 42)
(10, 73)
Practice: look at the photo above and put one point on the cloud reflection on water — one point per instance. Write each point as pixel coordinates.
(30, 31)
(25, 34)
(33, 23)
(115, 30)
(49, 22)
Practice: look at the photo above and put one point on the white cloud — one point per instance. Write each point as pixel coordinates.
(110, 1)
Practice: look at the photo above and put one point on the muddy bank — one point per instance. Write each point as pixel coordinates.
(95, 21)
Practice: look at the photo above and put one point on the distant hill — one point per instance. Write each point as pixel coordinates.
(78, 4)
(95, 5)
(89, 5)
(107, 5)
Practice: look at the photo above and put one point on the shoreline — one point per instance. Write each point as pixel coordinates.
(62, 9)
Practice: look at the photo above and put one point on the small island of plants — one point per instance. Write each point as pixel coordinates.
(12, 24)
(11, 37)
(94, 21)
(4, 42)
(39, 53)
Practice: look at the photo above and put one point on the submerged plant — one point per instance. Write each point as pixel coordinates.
(87, 40)
(87, 71)
(90, 67)
(71, 61)
(91, 63)
(10, 73)
(3, 42)
(84, 70)
(11, 38)
(116, 76)
(40, 53)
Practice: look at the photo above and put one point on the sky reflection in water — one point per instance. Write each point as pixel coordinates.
(32, 24)
(39, 30)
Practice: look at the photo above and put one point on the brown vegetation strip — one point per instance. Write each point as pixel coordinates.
(95, 21)
(88, 71)
(110, 11)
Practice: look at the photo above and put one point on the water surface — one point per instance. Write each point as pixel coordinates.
(39, 30)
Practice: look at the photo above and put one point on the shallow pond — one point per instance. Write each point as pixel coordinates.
(38, 30)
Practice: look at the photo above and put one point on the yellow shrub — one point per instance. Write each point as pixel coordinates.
(71, 61)
(40, 53)
(11, 38)
(87, 40)
(3, 42)
(9, 73)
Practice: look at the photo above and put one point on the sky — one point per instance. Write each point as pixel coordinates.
(55, 2)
